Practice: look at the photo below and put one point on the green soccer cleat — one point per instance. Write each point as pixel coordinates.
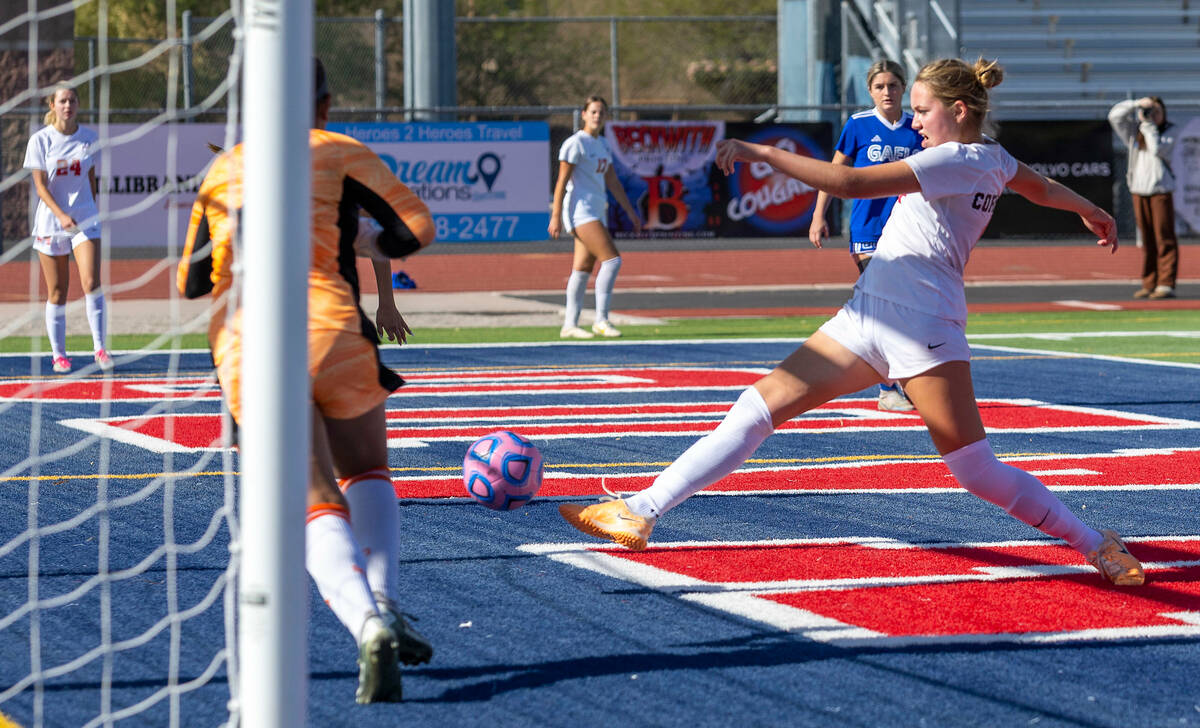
(413, 648)
(378, 672)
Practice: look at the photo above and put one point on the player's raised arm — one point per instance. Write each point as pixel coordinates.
(1046, 192)
(883, 180)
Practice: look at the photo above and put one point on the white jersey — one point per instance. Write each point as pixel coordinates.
(592, 158)
(926, 242)
(66, 160)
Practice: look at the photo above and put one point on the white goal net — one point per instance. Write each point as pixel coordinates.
(121, 551)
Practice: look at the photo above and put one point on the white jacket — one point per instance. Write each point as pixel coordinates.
(1149, 171)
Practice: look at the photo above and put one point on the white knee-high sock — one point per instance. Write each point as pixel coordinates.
(56, 328)
(94, 304)
(375, 520)
(335, 562)
(710, 458)
(576, 286)
(605, 279)
(1020, 494)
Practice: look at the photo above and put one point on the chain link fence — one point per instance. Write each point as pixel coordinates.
(644, 65)
(508, 68)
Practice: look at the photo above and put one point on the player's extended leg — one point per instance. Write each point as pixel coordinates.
(88, 259)
(945, 398)
(335, 562)
(815, 373)
(581, 269)
(594, 237)
(359, 450)
(57, 274)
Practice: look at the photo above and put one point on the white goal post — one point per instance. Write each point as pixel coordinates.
(276, 430)
(117, 568)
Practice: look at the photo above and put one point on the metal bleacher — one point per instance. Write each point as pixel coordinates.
(1062, 58)
(1078, 57)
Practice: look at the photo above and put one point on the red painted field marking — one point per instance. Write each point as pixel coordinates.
(888, 593)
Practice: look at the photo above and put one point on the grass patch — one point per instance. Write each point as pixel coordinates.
(1166, 348)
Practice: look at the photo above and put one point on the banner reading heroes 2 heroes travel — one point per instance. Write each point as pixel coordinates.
(483, 182)
(667, 170)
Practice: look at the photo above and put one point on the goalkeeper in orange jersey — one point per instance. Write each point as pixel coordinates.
(352, 530)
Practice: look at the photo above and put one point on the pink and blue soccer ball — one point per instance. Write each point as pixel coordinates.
(503, 471)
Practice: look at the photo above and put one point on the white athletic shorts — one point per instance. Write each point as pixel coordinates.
(897, 341)
(63, 243)
(583, 209)
(867, 247)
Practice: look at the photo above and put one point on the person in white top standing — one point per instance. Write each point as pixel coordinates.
(61, 157)
(1144, 130)
(905, 320)
(581, 208)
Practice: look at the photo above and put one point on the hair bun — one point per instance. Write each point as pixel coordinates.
(989, 73)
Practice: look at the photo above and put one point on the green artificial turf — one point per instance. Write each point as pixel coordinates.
(1141, 333)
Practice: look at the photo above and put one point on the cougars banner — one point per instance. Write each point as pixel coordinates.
(666, 168)
(758, 201)
(483, 181)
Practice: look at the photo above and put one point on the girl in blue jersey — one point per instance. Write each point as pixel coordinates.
(585, 176)
(878, 135)
(905, 321)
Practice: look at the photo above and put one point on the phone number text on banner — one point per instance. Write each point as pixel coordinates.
(483, 182)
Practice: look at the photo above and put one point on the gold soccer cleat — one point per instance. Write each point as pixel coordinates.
(612, 520)
(1115, 562)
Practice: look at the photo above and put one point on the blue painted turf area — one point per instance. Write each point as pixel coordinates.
(535, 624)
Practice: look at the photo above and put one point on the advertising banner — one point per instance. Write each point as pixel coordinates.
(483, 182)
(666, 168)
(1078, 154)
(757, 201)
(140, 214)
(1185, 163)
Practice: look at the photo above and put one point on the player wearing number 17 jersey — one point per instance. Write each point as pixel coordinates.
(580, 206)
(352, 530)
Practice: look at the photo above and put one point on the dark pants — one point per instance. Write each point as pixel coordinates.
(1155, 216)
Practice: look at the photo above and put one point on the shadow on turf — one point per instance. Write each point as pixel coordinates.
(753, 651)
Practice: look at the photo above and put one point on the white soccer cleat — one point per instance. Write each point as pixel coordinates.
(104, 361)
(574, 332)
(605, 329)
(893, 400)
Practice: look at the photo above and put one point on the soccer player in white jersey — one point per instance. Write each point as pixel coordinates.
(905, 320)
(61, 156)
(881, 134)
(581, 208)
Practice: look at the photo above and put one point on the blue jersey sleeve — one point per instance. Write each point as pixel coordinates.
(848, 141)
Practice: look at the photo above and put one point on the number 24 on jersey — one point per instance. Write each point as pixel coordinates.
(68, 166)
